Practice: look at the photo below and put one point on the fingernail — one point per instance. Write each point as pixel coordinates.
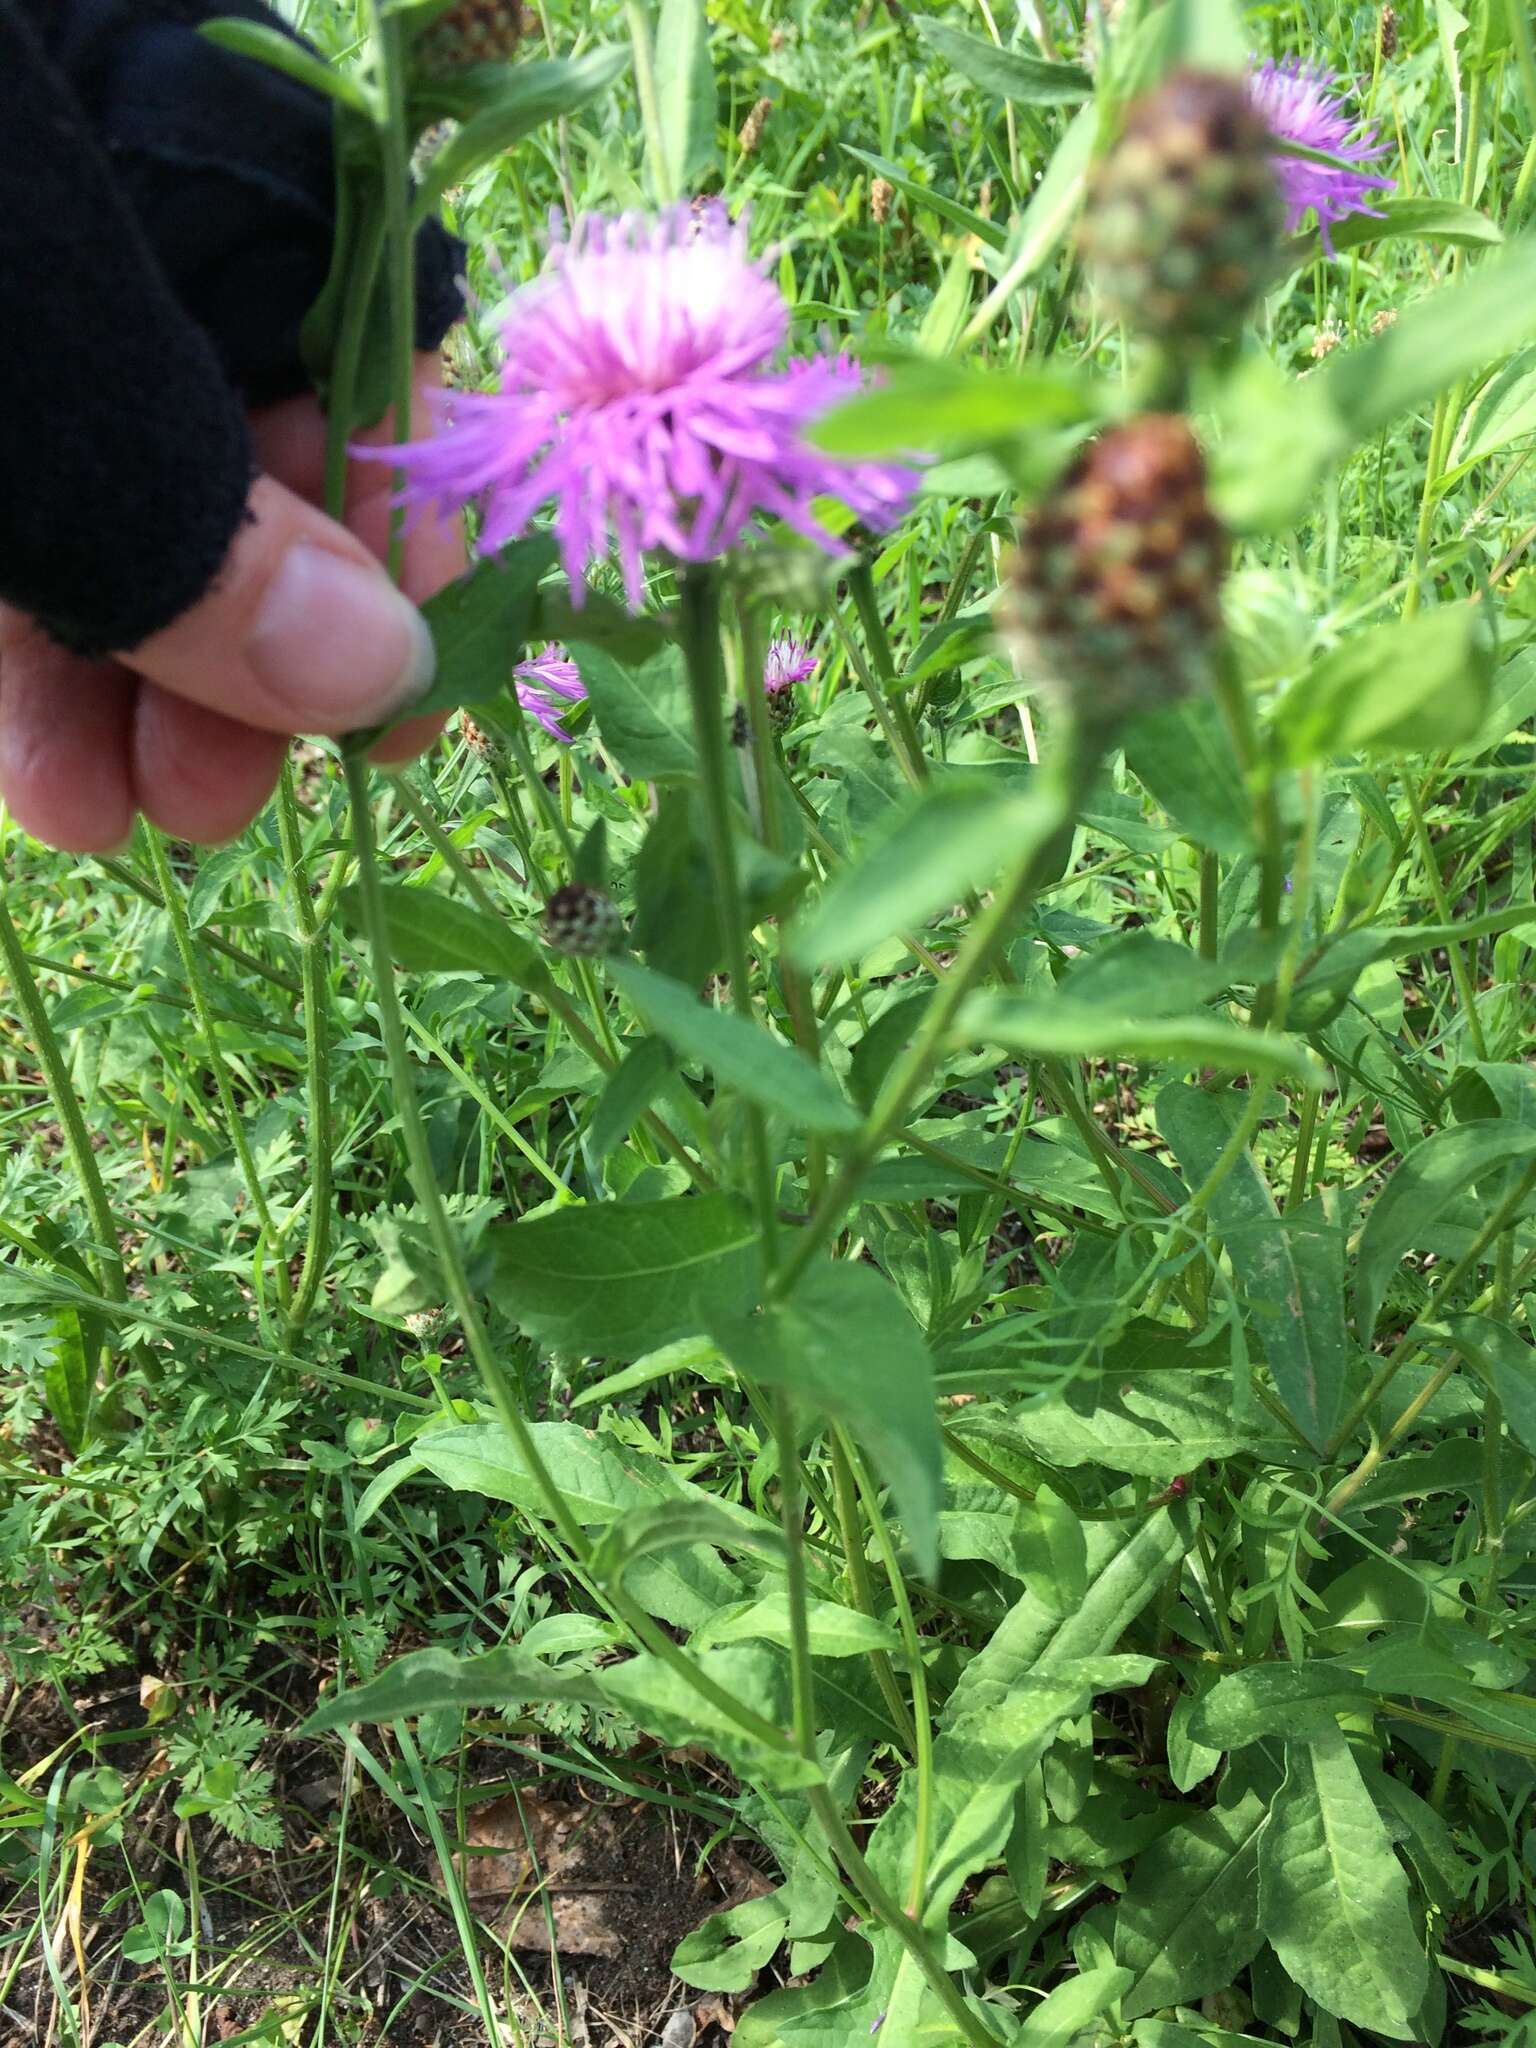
(337, 644)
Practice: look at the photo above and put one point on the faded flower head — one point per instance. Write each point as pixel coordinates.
(639, 396)
(1184, 218)
(1115, 590)
(546, 683)
(582, 921)
(1300, 102)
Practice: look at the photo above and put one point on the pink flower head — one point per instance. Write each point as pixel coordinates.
(639, 397)
(550, 675)
(1299, 103)
(789, 661)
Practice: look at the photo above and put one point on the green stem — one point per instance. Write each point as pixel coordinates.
(1460, 973)
(66, 1106)
(1500, 1220)
(1210, 885)
(234, 1122)
(861, 585)
(699, 631)
(319, 1132)
(906, 1077)
(236, 955)
(851, 1530)
(460, 1295)
(650, 107)
(917, 1672)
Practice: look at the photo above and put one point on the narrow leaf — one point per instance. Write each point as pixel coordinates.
(740, 1055)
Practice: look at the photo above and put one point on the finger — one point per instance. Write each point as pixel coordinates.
(301, 632)
(195, 773)
(64, 737)
(405, 741)
(289, 440)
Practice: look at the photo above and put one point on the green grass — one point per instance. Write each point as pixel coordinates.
(220, 1509)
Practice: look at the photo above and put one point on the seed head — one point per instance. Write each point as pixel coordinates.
(752, 128)
(1381, 321)
(1183, 221)
(1386, 34)
(1115, 588)
(1325, 341)
(882, 194)
(582, 921)
(473, 32)
(477, 739)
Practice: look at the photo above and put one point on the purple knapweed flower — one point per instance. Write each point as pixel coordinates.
(545, 684)
(639, 396)
(1299, 102)
(789, 661)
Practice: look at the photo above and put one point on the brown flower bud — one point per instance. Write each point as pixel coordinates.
(752, 128)
(1115, 589)
(472, 32)
(882, 194)
(1184, 216)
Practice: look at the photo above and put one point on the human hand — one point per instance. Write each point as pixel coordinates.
(300, 633)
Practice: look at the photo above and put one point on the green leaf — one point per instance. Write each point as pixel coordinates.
(1269, 1699)
(1052, 1555)
(524, 97)
(627, 1094)
(937, 202)
(597, 1477)
(1418, 220)
(1188, 1922)
(1280, 435)
(985, 1746)
(741, 1055)
(649, 1531)
(947, 407)
(1154, 1428)
(428, 1680)
(844, 1343)
(1011, 74)
(432, 933)
(1334, 1898)
(1506, 1362)
(1414, 683)
(1505, 412)
(265, 43)
(682, 1581)
(623, 1278)
(1183, 755)
(480, 626)
(685, 92)
(68, 1376)
(1417, 1196)
(661, 1699)
(726, 1953)
(952, 836)
(1291, 1267)
(834, 1630)
(1057, 1025)
(642, 713)
(1063, 2016)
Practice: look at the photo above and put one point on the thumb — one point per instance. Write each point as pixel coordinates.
(300, 631)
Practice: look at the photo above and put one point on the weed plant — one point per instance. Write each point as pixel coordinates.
(905, 1295)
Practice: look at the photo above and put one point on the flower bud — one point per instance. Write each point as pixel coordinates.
(1115, 589)
(882, 196)
(582, 921)
(1184, 217)
(1386, 34)
(472, 32)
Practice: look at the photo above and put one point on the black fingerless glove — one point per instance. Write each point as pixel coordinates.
(166, 210)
